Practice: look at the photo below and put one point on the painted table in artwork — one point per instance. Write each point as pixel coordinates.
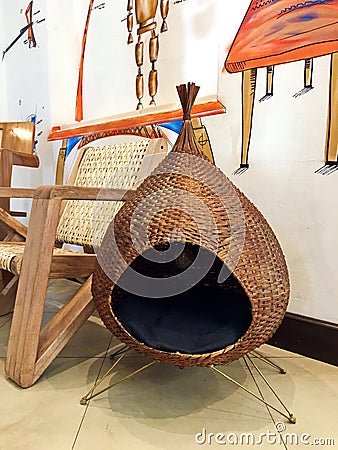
(281, 31)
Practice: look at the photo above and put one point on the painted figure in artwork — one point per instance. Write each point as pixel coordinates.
(27, 28)
(277, 32)
(145, 12)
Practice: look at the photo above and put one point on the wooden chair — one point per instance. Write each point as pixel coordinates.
(107, 172)
(16, 149)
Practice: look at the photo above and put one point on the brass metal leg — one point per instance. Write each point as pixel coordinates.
(247, 359)
(90, 394)
(291, 418)
(268, 361)
(119, 351)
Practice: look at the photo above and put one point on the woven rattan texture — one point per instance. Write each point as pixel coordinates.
(261, 269)
(7, 253)
(115, 166)
(12, 250)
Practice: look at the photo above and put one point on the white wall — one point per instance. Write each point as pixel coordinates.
(287, 146)
(28, 93)
(288, 133)
(3, 90)
(109, 64)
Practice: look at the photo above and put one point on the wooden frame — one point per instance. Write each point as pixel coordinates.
(207, 106)
(30, 348)
(16, 149)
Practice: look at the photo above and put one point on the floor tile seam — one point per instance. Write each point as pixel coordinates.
(87, 406)
(98, 355)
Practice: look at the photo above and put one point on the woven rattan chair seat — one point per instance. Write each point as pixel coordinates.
(10, 250)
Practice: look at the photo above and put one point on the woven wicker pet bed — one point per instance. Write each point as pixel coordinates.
(190, 208)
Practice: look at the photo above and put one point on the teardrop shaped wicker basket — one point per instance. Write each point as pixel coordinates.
(175, 197)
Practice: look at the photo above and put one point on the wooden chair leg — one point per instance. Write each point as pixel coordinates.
(331, 148)
(248, 98)
(6, 164)
(62, 327)
(30, 299)
(30, 349)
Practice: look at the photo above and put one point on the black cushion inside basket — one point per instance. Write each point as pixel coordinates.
(202, 320)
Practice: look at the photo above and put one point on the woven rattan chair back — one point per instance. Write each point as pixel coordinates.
(119, 166)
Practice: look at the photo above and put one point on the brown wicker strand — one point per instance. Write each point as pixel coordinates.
(187, 94)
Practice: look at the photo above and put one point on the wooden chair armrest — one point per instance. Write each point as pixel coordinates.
(16, 192)
(22, 159)
(12, 224)
(81, 193)
(54, 192)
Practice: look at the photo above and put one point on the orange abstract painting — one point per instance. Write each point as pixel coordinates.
(280, 31)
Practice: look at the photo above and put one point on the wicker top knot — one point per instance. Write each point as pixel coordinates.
(186, 142)
(187, 94)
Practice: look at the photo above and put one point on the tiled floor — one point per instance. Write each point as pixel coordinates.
(162, 407)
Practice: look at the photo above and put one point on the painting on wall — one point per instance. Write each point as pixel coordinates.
(30, 40)
(79, 92)
(145, 12)
(21, 109)
(281, 31)
(120, 52)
